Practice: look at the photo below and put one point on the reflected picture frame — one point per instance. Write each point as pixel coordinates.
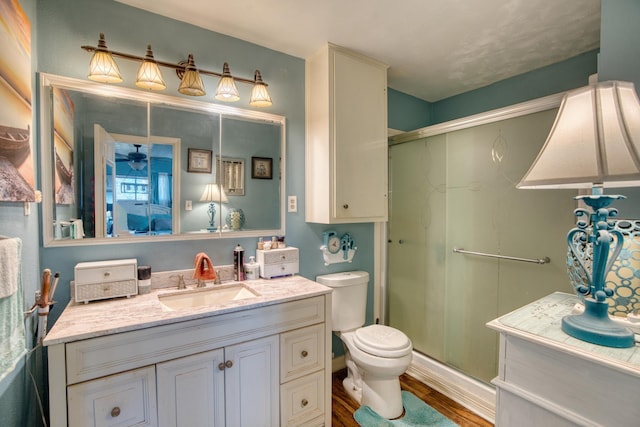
(199, 161)
(261, 168)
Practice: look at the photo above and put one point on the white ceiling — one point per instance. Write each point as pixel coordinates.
(434, 48)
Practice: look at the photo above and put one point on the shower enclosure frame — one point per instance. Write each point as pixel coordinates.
(470, 392)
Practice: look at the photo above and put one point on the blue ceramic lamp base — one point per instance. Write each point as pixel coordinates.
(595, 326)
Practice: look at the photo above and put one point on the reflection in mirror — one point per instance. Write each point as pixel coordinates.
(136, 187)
(117, 165)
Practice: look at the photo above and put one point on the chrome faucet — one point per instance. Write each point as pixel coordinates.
(201, 283)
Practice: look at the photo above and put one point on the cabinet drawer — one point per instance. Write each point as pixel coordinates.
(302, 352)
(95, 291)
(105, 271)
(278, 256)
(302, 400)
(127, 399)
(277, 270)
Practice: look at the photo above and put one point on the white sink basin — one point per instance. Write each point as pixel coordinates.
(219, 294)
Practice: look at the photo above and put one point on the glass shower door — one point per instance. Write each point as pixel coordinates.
(458, 190)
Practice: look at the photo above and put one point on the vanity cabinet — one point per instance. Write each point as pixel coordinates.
(548, 378)
(236, 386)
(346, 140)
(264, 366)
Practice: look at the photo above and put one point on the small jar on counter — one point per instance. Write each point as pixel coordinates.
(252, 269)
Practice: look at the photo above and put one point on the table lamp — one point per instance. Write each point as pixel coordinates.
(594, 143)
(213, 194)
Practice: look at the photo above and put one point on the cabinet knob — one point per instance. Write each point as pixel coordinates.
(228, 363)
(304, 353)
(345, 206)
(304, 403)
(115, 411)
(221, 366)
(107, 273)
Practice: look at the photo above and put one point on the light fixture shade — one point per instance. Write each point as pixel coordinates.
(213, 193)
(136, 165)
(149, 76)
(259, 94)
(191, 83)
(595, 139)
(227, 90)
(102, 67)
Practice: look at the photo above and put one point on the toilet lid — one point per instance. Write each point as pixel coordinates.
(381, 340)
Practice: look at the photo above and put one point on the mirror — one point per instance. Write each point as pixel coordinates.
(123, 165)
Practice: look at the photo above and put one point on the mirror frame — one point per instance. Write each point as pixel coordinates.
(46, 147)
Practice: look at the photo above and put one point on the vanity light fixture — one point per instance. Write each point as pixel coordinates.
(149, 75)
(227, 90)
(213, 194)
(259, 94)
(594, 142)
(104, 69)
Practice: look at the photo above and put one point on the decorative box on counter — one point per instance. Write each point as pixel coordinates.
(278, 262)
(105, 279)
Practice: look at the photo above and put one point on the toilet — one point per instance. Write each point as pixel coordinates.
(375, 355)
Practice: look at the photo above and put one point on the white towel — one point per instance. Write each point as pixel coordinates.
(9, 266)
(12, 330)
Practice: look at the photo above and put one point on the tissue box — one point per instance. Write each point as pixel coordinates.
(278, 262)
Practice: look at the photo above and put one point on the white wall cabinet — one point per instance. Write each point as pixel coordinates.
(218, 371)
(346, 141)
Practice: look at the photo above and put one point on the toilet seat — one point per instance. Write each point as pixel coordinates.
(383, 341)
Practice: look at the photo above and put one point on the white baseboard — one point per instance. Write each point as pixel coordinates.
(470, 393)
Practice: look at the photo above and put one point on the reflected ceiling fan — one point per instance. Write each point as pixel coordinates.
(135, 159)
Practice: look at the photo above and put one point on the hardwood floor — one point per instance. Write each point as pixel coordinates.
(344, 406)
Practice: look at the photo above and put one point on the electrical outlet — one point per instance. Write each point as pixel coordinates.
(292, 204)
(188, 205)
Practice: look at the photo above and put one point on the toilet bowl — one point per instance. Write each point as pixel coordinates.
(375, 355)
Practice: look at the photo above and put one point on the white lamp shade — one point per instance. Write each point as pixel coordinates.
(227, 90)
(103, 69)
(595, 139)
(149, 76)
(213, 193)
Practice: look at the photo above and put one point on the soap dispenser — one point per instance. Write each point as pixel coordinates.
(252, 269)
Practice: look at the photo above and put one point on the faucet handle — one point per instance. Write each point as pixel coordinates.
(181, 284)
(218, 280)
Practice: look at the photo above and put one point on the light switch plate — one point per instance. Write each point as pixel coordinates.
(292, 204)
(188, 205)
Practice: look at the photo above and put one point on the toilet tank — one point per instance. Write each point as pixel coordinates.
(349, 298)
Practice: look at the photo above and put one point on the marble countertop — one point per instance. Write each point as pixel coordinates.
(98, 318)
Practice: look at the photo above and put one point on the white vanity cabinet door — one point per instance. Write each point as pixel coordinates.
(121, 400)
(346, 141)
(303, 401)
(252, 383)
(301, 352)
(191, 391)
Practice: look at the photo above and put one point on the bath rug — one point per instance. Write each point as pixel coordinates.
(417, 413)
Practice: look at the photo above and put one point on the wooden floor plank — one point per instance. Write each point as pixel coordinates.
(344, 406)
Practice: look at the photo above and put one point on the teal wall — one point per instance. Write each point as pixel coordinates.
(408, 113)
(620, 60)
(65, 25)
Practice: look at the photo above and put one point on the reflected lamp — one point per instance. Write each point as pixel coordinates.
(594, 143)
(213, 194)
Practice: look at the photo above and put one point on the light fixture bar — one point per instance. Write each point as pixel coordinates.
(177, 67)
